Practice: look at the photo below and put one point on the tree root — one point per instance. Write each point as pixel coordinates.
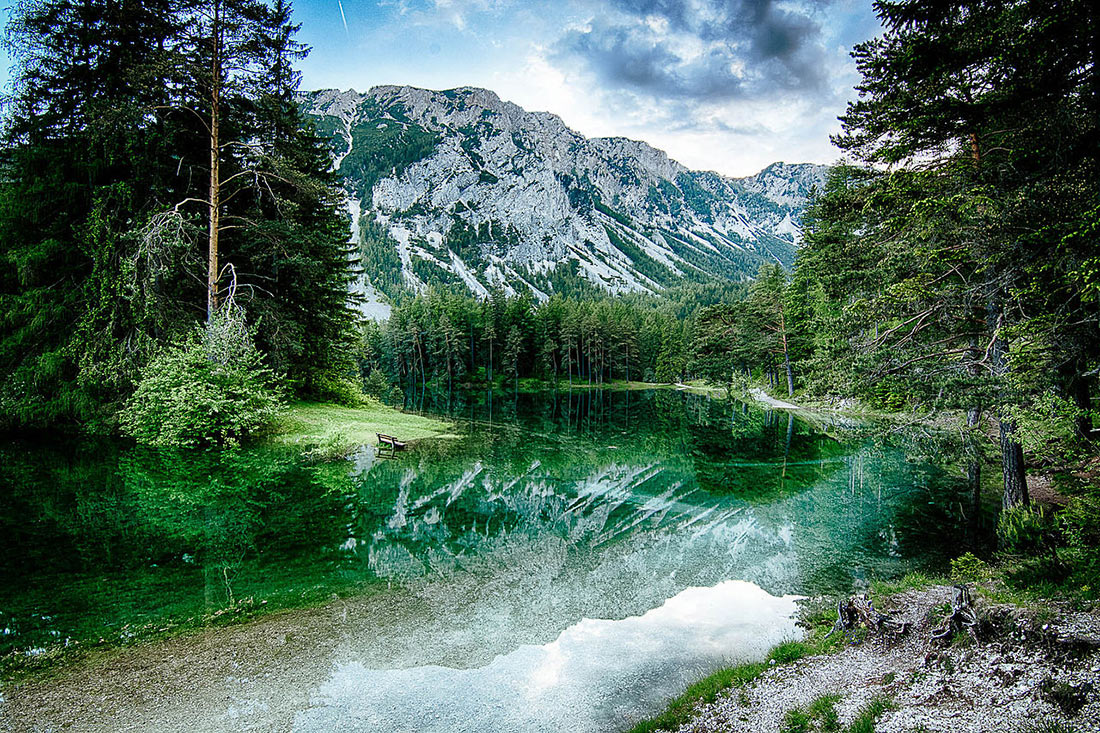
(859, 611)
(962, 617)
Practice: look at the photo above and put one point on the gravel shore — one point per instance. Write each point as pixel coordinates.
(1024, 670)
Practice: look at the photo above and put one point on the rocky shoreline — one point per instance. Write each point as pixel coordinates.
(1031, 669)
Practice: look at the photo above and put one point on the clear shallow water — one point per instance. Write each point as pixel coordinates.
(595, 676)
(569, 560)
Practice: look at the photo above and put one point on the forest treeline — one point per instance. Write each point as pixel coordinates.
(952, 263)
(167, 218)
(450, 339)
(175, 246)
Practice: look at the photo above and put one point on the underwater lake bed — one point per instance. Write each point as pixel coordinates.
(571, 562)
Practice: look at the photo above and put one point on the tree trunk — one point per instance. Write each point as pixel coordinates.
(1012, 461)
(215, 166)
(974, 465)
(1082, 397)
(786, 354)
(1012, 453)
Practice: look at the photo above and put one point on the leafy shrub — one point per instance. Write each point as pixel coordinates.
(1079, 522)
(338, 389)
(1079, 526)
(211, 388)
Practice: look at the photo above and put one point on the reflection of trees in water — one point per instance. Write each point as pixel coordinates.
(660, 488)
(111, 534)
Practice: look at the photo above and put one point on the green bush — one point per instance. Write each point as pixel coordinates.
(338, 389)
(969, 568)
(208, 389)
(1079, 526)
(1022, 531)
(1079, 522)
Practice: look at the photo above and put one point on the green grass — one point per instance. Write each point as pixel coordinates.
(882, 589)
(822, 710)
(868, 714)
(706, 690)
(330, 430)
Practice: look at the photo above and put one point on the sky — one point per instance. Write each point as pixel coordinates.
(723, 85)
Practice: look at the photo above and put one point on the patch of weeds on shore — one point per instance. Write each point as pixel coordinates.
(883, 589)
(969, 568)
(706, 690)
(869, 714)
(1046, 728)
(820, 716)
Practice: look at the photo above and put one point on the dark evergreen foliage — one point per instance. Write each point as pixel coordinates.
(104, 200)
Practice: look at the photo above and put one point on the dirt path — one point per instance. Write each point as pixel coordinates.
(764, 398)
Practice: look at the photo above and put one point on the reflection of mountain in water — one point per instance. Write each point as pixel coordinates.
(554, 508)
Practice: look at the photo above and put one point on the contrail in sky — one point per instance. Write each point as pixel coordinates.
(342, 16)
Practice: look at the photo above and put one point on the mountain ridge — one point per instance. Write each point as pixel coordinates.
(459, 188)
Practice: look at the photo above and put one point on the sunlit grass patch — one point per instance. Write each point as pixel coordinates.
(330, 430)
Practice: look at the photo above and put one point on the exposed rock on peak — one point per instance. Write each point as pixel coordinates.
(458, 187)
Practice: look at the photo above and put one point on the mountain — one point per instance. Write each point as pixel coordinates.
(459, 188)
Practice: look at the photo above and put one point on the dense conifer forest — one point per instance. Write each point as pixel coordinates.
(161, 194)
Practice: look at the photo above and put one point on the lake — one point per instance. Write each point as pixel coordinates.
(571, 563)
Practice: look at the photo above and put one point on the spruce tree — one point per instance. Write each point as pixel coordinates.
(990, 108)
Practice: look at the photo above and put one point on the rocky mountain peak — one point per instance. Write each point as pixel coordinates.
(458, 188)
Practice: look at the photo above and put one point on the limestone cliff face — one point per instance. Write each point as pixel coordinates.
(459, 187)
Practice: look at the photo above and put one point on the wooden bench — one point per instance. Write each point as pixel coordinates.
(393, 443)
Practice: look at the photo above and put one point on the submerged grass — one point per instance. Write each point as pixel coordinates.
(328, 430)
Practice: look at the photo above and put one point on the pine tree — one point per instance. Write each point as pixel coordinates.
(988, 105)
(81, 157)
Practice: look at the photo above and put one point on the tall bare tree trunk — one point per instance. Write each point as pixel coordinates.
(786, 354)
(215, 166)
(974, 465)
